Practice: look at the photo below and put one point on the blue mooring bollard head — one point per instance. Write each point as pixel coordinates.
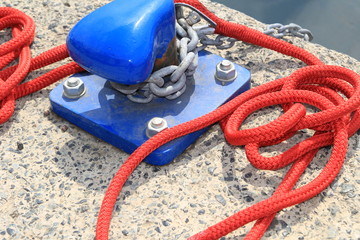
(122, 40)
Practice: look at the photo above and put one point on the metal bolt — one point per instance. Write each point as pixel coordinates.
(73, 88)
(157, 122)
(225, 72)
(225, 65)
(73, 81)
(155, 125)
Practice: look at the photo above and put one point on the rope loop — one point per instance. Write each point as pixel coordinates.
(23, 31)
(298, 88)
(319, 85)
(333, 90)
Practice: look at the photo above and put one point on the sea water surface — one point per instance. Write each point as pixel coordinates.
(335, 24)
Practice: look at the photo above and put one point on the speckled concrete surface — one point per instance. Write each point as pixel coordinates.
(53, 175)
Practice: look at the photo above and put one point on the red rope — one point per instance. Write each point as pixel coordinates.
(333, 125)
(318, 85)
(23, 30)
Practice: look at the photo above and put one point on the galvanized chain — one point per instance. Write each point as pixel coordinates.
(170, 82)
(278, 30)
(220, 42)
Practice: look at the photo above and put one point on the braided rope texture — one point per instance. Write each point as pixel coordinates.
(318, 85)
(23, 31)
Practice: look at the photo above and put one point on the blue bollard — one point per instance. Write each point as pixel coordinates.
(122, 40)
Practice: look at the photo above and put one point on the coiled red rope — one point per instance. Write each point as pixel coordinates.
(23, 30)
(318, 85)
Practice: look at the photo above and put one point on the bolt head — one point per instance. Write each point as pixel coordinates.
(225, 65)
(225, 71)
(155, 125)
(73, 81)
(157, 122)
(73, 87)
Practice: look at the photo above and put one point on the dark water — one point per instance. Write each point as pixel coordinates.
(334, 23)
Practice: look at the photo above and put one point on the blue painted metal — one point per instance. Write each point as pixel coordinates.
(121, 40)
(109, 115)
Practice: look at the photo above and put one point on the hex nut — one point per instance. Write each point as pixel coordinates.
(73, 88)
(225, 71)
(155, 125)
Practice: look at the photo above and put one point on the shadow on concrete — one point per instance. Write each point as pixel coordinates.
(251, 176)
(87, 164)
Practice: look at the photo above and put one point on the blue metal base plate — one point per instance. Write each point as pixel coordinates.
(109, 115)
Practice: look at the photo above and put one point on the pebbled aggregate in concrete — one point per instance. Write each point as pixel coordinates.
(53, 175)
